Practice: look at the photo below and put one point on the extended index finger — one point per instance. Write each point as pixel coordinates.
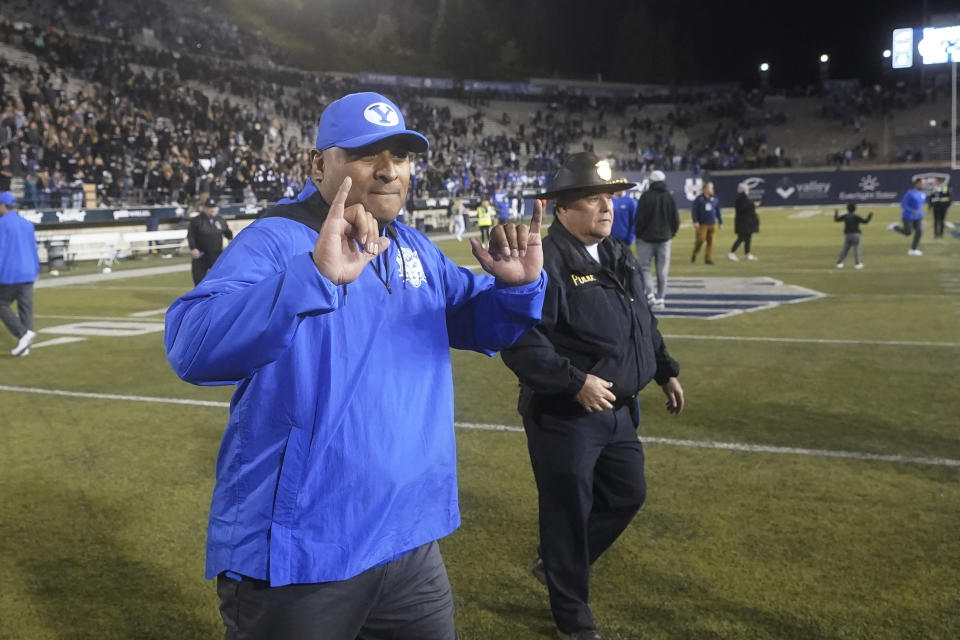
(537, 217)
(336, 207)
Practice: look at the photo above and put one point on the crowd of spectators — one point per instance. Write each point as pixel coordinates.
(143, 103)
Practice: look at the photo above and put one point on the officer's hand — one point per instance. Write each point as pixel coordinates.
(348, 240)
(195, 253)
(696, 225)
(515, 256)
(674, 393)
(595, 394)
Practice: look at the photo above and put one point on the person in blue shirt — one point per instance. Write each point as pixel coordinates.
(707, 220)
(337, 470)
(19, 268)
(624, 218)
(911, 218)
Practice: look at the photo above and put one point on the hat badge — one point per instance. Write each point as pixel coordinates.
(604, 171)
(382, 114)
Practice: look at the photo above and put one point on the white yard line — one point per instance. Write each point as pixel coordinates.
(894, 343)
(66, 281)
(700, 444)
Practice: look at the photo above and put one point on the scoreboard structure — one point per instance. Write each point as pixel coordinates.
(925, 46)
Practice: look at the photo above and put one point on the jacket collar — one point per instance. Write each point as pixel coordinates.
(575, 254)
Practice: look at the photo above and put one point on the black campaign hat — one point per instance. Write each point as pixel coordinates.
(210, 202)
(584, 171)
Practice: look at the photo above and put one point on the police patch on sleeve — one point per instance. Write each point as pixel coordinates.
(411, 269)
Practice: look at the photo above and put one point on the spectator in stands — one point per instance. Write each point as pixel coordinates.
(939, 201)
(624, 218)
(851, 233)
(19, 268)
(707, 221)
(746, 222)
(657, 223)
(337, 472)
(580, 371)
(205, 237)
(911, 216)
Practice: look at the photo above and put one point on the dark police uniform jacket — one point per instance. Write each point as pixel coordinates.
(207, 234)
(595, 320)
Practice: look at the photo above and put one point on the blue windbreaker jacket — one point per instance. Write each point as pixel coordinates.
(706, 210)
(624, 219)
(339, 453)
(912, 205)
(19, 263)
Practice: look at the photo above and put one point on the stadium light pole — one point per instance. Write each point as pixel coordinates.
(824, 68)
(765, 75)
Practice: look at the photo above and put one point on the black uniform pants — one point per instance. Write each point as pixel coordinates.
(200, 266)
(589, 473)
(939, 216)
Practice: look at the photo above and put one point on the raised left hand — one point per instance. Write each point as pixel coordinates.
(516, 256)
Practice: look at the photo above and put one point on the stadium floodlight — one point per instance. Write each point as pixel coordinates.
(933, 123)
(887, 53)
(824, 58)
(764, 67)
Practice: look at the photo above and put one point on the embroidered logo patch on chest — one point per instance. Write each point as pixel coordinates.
(410, 266)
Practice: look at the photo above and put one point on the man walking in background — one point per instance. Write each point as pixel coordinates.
(911, 218)
(205, 237)
(707, 220)
(939, 201)
(624, 217)
(19, 268)
(580, 371)
(657, 222)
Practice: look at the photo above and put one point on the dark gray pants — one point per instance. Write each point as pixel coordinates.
(407, 599)
(21, 322)
(911, 226)
(852, 240)
(589, 473)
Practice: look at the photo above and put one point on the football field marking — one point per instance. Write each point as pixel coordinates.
(698, 444)
(893, 343)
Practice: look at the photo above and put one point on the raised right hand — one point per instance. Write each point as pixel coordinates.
(595, 395)
(349, 239)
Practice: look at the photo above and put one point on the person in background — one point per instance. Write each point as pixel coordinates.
(911, 217)
(484, 221)
(580, 370)
(939, 201)
(624, 217)
(707, 221)
(746, 222)
(851, 233)
(458, 213)
(19, 268)
(205, 237)
(657, 223)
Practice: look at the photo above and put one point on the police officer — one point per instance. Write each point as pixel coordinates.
(205, 238)
(939, 201)
(580, 370)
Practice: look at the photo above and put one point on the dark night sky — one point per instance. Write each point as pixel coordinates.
(791, 35)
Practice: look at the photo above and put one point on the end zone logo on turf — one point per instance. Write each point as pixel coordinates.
(713, 298)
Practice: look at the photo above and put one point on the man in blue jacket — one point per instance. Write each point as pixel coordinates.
(911, 218)
(624, 217)
(707, 220)
(337, 471)
(19, 267)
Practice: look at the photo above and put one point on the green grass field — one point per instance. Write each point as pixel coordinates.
(104, 500)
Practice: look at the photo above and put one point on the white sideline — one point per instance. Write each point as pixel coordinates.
(900, 343)
(700, 444)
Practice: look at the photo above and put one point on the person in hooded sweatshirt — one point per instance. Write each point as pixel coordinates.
(19, 268)
(337, 471)
(657, 222)
(911, 216)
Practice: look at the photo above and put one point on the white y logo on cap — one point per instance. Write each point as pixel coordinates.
(382, 114)
(604, 171)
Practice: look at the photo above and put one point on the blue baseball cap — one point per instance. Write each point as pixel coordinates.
(7, 198)
(359, 119)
